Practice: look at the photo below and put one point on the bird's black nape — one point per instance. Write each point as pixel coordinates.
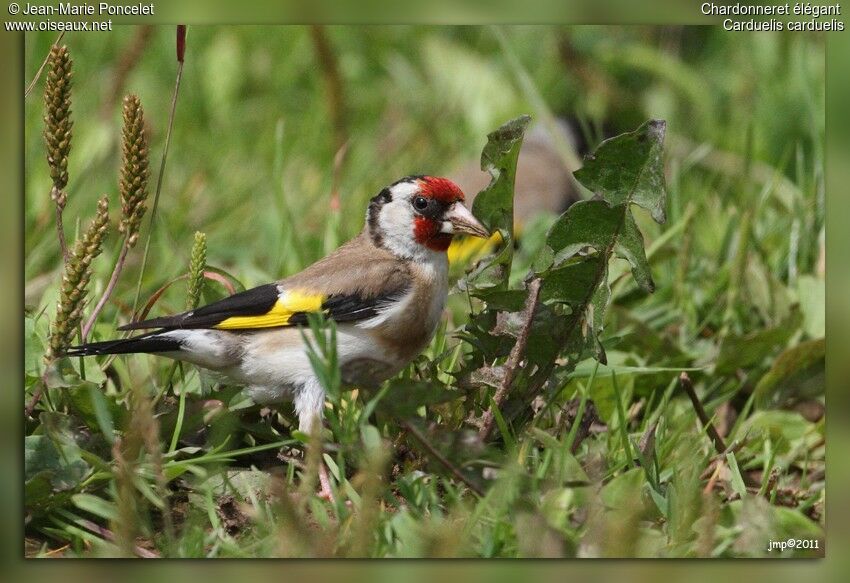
(374, 212)
(146, 343)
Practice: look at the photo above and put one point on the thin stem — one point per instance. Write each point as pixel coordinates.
(514, 359)
(181, 410)
(440, 458)
(688, 387)
(110, 287)
(43, 65)
(573, 441)
(36, 397)
(60, 232)
(621, 413)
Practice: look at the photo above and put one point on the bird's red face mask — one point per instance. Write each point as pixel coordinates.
(439, 214)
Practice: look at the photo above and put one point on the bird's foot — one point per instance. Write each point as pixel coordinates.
(325, 492)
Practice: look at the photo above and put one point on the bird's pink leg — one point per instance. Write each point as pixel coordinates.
(325, 492)
(308, 405)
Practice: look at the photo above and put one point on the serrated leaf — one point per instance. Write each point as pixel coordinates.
(61, 374)
(589, 223)
(508, 300)
(596, 224)
(629, 169)
(573, 283)
(595, 318)
(546, 329)
(61, 464)
(629, 245)
(582, 282)
(494, 205)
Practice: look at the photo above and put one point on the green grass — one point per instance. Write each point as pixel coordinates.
(738, 303)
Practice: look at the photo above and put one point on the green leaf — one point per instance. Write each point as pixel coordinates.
(786, 430)
(596, 224)
(744, 351)
(791, 523)
(585, 369)
(95, 505)
(371, 437)
(573, 284)
(494, 205)
(511, 300)
(602, 390)
(811, 293)
(630, 247)
(504, 430)
(241, 482)
(409, 395)
(38, 490)
(590, 223)
(33, 349)
(584, 238)
(595, 318)
(61, 374)
(96, 410)
(629, 169)
(573, 270)
(736, 480)
(799, 371)
(61, 465)
(624, 491)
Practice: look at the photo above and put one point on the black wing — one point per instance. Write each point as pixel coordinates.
(267, 307)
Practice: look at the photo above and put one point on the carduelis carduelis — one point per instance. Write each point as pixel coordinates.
(385, 289)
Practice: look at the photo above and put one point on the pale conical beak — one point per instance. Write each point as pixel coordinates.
(458, 220)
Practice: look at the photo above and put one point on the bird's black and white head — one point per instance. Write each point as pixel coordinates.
(420, 215)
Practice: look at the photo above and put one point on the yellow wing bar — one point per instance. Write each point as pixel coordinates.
(291, 302)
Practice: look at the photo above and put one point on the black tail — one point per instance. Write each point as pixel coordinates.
(153, 342)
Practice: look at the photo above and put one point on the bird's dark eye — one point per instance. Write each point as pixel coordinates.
(420, 203)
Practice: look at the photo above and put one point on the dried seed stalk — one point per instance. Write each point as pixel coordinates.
(133, 183)
(75, 281)
(57, 131)
(133, 187)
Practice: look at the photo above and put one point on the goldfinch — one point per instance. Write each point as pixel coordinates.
(385, 289)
